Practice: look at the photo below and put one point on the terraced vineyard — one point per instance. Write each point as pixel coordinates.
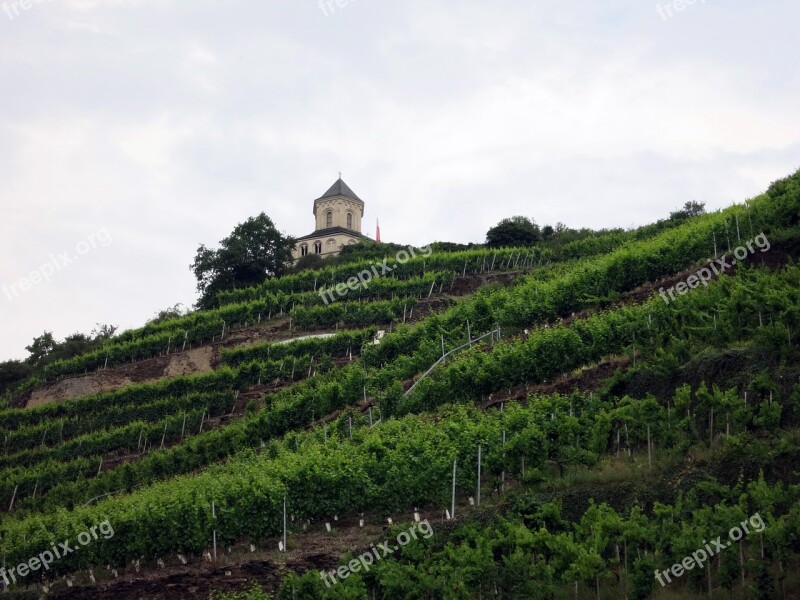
(581, 423)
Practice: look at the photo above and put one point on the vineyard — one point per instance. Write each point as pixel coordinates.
(564, 430)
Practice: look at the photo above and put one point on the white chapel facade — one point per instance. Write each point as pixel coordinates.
(338, 214)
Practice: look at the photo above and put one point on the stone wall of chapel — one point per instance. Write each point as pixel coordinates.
(339, 207)
(331, 245)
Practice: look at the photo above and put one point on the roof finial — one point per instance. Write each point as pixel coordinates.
(340, 174)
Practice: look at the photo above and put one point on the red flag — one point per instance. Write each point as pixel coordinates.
(377, 230)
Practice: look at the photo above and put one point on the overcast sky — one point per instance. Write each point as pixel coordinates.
(131, 131)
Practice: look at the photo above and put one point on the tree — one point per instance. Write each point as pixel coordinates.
(516, 231)
(13, 372)
(73, 345)
(690, 209)
(40, 348)
(253, 252)
(45, 349)
(103, 332)
(173, 312)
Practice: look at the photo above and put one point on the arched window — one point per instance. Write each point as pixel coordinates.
(329, 219)
(349, 220)
(304, 250)
(318, 247)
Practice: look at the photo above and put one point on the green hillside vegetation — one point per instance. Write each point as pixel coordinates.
(620, 428)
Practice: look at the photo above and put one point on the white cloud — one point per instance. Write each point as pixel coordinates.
(170, 121)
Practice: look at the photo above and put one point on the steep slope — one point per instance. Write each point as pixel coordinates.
(333, 427)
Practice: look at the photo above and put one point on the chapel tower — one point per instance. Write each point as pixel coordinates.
(338, 214)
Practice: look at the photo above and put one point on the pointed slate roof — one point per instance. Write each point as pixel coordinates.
(340, 188)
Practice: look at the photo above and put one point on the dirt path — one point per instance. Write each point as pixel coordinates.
(240, 569)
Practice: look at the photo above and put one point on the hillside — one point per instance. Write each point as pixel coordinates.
(579, 420)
